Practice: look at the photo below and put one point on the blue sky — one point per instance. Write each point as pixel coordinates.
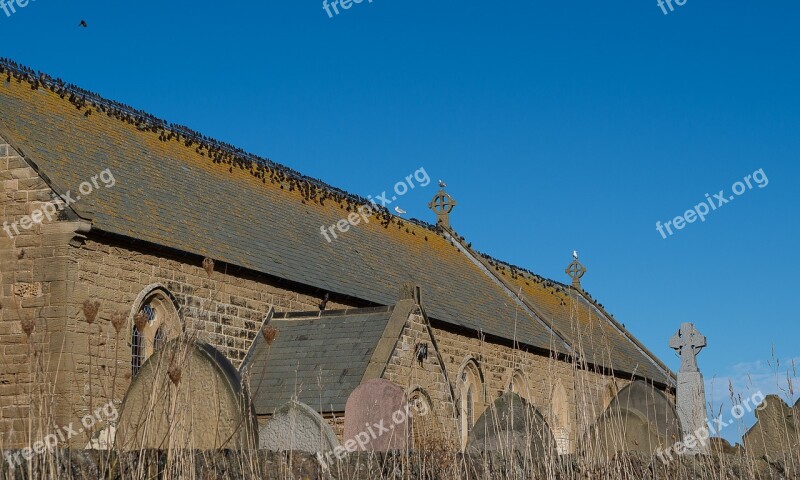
(557, 126)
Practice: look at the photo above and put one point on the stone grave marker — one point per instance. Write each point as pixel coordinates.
(776, 432)
(639, 418)
(186, 395)
(377, 417)
(296, 426)
(511, 424)
(690, 395)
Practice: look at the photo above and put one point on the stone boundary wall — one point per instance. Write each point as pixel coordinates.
(267, 465)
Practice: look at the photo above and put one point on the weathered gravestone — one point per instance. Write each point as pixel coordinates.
(690, 394)
(639, 419)
(377, 417)
(776, 434)
(187, 395)
(297, 427)
(511, 425)
(720, 446)
(102, 440)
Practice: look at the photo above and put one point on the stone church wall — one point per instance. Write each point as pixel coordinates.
(48, 270)
(33, 291)
(428, 376)
(34, 287)
(586, 393)
(225, 310)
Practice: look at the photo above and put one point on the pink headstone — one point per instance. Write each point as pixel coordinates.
(376, 417)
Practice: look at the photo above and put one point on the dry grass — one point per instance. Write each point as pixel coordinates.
(433, 452)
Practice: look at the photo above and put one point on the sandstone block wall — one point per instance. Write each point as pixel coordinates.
(68, 367)
(586, 393)
(226, 310)
(429, 376)
(33, 288)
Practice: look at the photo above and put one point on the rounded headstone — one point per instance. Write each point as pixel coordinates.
(296, 426)
(776, 431)
(639, 419)
(511, 424)
(186, 395)
(375, 413)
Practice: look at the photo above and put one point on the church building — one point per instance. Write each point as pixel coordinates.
(122, 231)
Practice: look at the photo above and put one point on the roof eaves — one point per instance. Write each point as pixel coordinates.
(333, 313)
(6, 135)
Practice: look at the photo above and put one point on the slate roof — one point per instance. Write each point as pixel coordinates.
(320, 358)
(177, 189)
(597, 337)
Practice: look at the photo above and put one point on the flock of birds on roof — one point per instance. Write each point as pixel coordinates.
(556, 287)
(311, 189)
(517, 272)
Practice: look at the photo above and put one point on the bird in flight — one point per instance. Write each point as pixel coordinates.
(400, 211)
(83, 24)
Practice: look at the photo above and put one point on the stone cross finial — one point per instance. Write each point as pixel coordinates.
(687, 343)
(576, 270)
(442, 204)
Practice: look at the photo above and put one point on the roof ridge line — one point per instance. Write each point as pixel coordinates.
(146, 122)
(513, 267)
(39, 78)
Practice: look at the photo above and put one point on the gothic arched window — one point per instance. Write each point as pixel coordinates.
(560, 419)
(470, 391)
(421, 419)
(518, 384)
(158, 323)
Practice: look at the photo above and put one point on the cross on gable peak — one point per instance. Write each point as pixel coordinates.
(576, 271)
(442, 204)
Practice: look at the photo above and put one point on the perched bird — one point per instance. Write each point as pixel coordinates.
(575, 254)
(83, 24)
(399, 211)
(422, 352)
(324, 302)
(442, 184)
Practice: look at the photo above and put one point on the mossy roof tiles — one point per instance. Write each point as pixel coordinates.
(173, 194)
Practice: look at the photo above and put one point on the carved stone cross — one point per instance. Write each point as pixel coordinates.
(576, 271)
(687, 343)
(442, 204)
